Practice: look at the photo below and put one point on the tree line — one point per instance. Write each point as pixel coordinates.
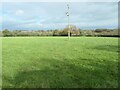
(74, 31)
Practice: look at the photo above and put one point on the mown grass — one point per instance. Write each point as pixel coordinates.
(45, 62)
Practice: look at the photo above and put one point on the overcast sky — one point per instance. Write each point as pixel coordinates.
(51, 15)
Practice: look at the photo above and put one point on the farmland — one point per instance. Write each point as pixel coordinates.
(60, 62)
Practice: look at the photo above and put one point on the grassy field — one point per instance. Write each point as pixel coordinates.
(58, 62)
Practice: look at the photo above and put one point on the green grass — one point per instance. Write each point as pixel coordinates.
(58, 62)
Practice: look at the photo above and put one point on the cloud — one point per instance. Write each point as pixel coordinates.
(0, 23)
(33, 15)
(60, 0)
(0, 19)
(19, 12)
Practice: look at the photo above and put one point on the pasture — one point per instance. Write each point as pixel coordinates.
(49, 62)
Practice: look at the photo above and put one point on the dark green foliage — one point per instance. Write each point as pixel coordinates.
(56, 33)
(74, 31)
(6, 33)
